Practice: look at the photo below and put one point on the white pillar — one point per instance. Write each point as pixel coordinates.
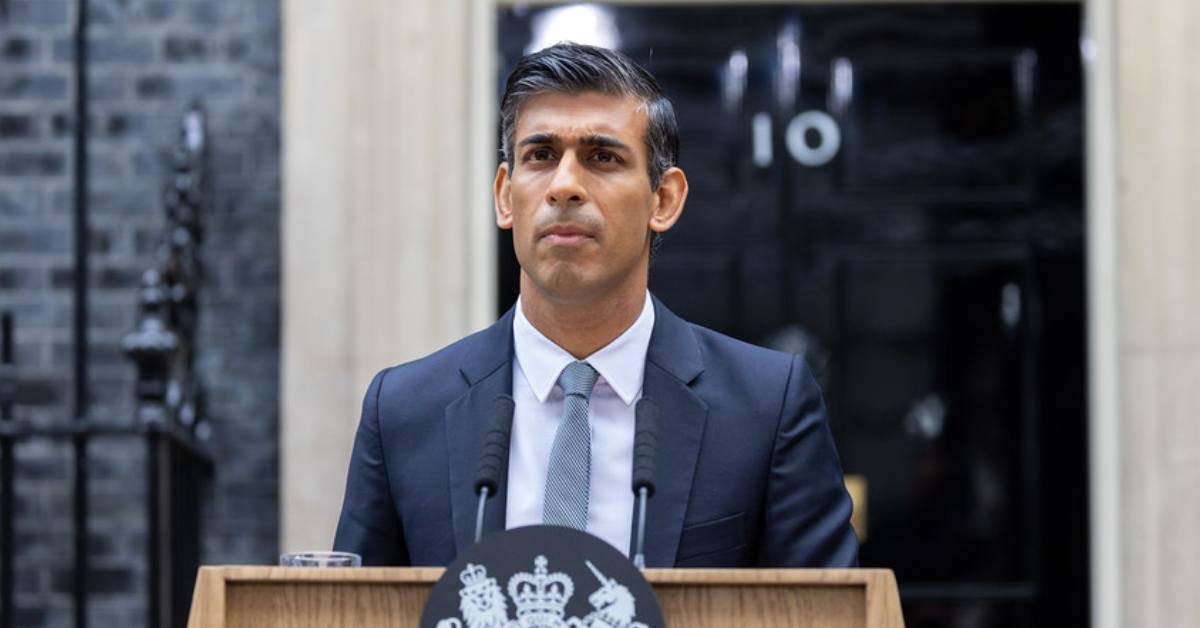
(1144, 226)
(387, 224)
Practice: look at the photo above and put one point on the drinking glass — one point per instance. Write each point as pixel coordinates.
(320, 559)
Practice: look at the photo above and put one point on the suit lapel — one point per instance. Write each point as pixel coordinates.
(673, 362)
(487, 370)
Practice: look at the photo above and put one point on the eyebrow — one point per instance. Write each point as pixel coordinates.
(539, 138)
(602, 141)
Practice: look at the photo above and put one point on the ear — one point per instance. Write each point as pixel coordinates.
(669, 199)
(502, 198)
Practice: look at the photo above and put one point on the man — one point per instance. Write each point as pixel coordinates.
(747, 474)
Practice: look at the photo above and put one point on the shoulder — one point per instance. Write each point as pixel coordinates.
(435, 379)
(720, 367)
(754, 381)
(725, 353)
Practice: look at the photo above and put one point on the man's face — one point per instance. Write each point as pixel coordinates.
(578, 197)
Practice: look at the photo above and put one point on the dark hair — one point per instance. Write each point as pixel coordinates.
(572, 68)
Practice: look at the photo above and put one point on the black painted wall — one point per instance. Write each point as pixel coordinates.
(931, 271)
(149, 59)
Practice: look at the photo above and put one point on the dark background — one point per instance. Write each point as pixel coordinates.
(932, 273)
(148, 60)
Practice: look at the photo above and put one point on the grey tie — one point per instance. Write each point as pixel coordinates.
(569, 473)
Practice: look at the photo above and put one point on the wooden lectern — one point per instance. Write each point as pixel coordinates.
(298, 597)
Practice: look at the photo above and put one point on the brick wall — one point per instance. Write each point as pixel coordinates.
(148, 60)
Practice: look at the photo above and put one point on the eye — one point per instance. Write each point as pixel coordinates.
(604, 156)
(539, 154)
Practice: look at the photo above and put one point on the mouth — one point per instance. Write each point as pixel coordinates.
(566, 235)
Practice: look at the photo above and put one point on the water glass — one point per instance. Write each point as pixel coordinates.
(320, 559)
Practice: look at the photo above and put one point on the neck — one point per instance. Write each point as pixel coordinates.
(583, 327)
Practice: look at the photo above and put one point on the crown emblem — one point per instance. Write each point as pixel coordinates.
(541, 597)
(473, 575)
(481, 599)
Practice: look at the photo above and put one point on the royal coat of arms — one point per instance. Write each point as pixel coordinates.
(540, 599)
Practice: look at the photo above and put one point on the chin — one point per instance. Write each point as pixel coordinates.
(566, 281)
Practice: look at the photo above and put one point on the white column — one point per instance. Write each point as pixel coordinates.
(387, 220)
(1159, 230)
(1145, 225)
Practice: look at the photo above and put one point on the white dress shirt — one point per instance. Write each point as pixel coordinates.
(537, 364)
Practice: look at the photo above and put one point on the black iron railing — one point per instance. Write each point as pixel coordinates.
(169, 418)
(8, 396)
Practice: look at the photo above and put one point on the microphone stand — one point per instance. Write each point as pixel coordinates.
(483, 497)
(493, 459)
(639, 558)
(645, 450)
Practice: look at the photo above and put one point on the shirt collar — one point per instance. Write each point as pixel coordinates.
(621, 363)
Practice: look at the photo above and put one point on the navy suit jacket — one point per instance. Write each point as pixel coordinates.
(747, 472)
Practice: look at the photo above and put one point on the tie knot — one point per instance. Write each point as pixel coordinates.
(578, 379)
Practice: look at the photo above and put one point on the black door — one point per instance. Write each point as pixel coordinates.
(896, 193)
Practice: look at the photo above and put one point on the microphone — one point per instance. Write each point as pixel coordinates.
(493, 459)
(645, 451)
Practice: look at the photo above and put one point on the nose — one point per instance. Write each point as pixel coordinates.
(566, 188)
